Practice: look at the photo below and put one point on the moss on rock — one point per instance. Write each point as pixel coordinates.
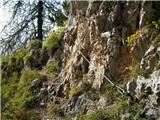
(12, 63)
(75, 92)
(52, 42)
(18, 95)
(34, 44)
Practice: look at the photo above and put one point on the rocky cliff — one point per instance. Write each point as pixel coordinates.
(120, 40)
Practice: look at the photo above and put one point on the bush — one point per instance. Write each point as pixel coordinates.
(28, 60)
(9, 88)
(133, 37)
(12, 63)
(52, 42)
(24, 95)
(18, 54)
(20, 114)
(34, 59)
(17, 95)
(52, 70)
(35, 44)
(120, 108)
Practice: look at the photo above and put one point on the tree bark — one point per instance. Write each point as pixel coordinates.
(40, 20)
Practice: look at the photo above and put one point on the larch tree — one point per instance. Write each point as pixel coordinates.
(30, 19)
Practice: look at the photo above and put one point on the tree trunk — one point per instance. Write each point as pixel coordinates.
(40, 20)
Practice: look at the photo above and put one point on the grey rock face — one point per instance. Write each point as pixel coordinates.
(78, 104)
(152, 83)
(101, 37)
(150, 59)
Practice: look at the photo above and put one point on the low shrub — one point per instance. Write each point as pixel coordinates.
(17, 96)
(52, 42)
(133, 37)
(34, 44)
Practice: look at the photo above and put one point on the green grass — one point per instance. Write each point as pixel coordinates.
(75, 92)
(53, 109)
(17, 95)
(34, 44)
(24, 95)
(52, 42)
(115, 112)
(52, 70)
(18, 54)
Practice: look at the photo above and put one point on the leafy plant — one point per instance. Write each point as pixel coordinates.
(133, 37)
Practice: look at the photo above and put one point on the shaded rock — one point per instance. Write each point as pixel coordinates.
(131, 86)
(150, 59)
(78, 105)
(151, 86)
(149, 112)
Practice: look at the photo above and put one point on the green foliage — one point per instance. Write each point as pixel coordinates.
(97, 115)
(110, 93)
(132, 38)
(34, 44)
(19, 114)
(9, 88)
(135, 70)
(28, 59)
(53, 109)
(51, 69)
(133, 74)
(12, 63)
(34, 59)
(17, 96)
(75, 92)
(52, 42)
(24, 95)
(118, 108)
(115, 112)
(18, 54)
(156, 24)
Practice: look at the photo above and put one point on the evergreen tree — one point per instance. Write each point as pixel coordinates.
(30, 19)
